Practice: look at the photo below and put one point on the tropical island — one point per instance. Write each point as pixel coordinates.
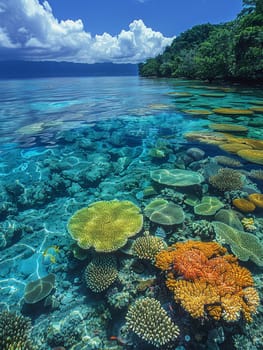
(231, 51)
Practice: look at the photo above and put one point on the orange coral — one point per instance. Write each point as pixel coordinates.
(207, 281)
(244, 205)
(257, 199)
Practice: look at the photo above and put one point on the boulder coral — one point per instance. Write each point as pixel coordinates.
(207, 282)
(105, 225)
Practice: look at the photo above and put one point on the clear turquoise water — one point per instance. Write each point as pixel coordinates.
(67, 142)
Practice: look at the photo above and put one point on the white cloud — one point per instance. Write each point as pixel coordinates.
(29, 31)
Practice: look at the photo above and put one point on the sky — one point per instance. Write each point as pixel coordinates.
(93, 31)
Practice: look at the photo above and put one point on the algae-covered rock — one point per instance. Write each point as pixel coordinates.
(177, 177)
(244, 245)
(208, 206)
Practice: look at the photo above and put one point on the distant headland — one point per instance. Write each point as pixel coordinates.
(27, 69)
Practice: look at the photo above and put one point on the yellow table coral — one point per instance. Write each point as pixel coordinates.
(105, 225)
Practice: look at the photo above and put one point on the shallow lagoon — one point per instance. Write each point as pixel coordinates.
(69, 142)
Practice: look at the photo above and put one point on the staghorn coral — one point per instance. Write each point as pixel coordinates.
(208, 282)
(105, 225)
(202, 228)
(101, 272)
(147, 247)
(227, 179)
(147, 319)
(15, 332)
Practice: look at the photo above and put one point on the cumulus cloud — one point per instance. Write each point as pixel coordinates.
(30, 31)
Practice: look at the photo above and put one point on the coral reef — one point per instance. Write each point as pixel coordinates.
(163, 212)
(39, 289)
(105, 225)
(101, 272)
(15, 332)
(147, 247)
(208, 282)
(227, 179)
(228, 161)
(244, 245)
(150, 322)
(177, 177)
(244, 205)
(208, 206)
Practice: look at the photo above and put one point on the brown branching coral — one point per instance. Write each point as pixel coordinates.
(227, 179)
(208, 282)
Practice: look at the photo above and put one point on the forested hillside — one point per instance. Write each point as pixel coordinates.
(228, 51)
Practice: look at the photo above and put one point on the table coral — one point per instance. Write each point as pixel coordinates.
(105, 225)
(208, 282)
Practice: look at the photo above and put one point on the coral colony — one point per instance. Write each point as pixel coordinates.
(140, 229)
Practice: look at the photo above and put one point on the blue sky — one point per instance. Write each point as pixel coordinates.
(89, 31)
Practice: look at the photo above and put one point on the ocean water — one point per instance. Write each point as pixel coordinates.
(67, 143)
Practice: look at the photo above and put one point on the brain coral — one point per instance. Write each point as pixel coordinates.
(207, 281)
(150, 322)
(163, 212)
(105, 225)
(227, 179)
(243, 244)
(15, 332)
(101, 272)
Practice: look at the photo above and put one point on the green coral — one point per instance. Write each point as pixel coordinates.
(208, 206)
(39, 289)
(147, 319)
(227, 179)
(105, 225)
(147, 247)
(163, 212)
(101, 272)
(244, 245)
(176, 177)
(15, 332)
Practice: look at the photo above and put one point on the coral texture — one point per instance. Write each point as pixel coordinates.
(105, 225)
(101, 272)
(150, 322)
(15, 332)
(244, 245)
(147, 247)
(208, 282)
(227, 180)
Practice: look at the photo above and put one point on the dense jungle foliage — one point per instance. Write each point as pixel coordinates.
(228, 51)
